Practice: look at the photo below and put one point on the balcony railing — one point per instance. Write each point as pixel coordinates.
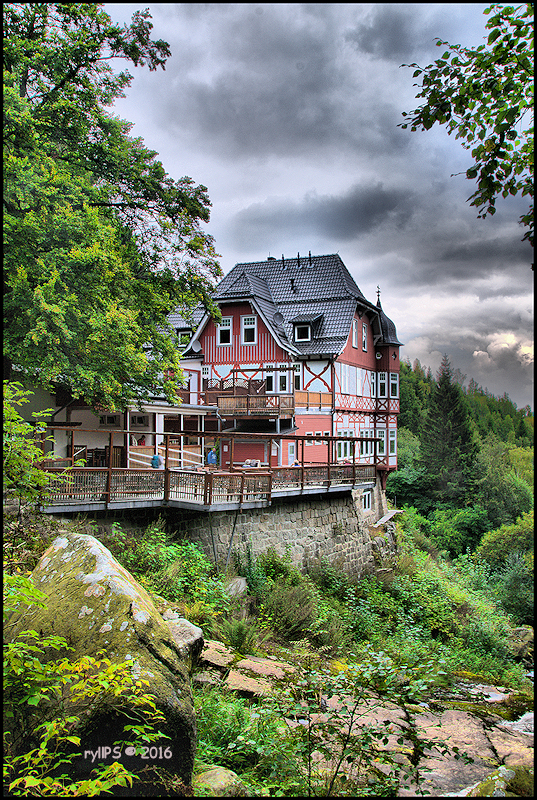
(266, 405)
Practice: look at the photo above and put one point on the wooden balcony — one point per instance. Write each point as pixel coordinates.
(84, 489)
(313, 400)
(265, 405)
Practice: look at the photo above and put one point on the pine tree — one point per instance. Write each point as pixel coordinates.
(449, 446)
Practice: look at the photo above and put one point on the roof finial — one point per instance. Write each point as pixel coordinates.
(378, 295)
(298, 260)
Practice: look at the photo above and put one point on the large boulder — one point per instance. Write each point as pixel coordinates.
(97, 605)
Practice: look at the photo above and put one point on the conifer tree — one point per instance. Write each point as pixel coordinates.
(449, 447)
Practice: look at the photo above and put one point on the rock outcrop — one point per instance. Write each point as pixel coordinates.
(97, 606)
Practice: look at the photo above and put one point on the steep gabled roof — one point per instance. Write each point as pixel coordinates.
(314, 289)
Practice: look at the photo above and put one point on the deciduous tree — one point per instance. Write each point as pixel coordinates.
(100, 244)
(485, 96)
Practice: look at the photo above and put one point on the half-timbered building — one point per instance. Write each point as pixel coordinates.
(299, 351)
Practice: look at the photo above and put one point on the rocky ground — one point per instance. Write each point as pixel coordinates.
(482, 732)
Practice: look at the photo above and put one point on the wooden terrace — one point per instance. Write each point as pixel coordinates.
(90, 488)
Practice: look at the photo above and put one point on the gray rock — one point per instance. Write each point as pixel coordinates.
(220, 782)
(97, 605)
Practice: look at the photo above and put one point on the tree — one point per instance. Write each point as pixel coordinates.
(21, 452)
(485, 96)
(100, 244)
(448, 446)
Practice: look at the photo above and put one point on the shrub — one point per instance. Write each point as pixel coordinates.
(514, 587)
(291, 610)
(242, 635)
(329, 577)
(496, 545)
(250, 741)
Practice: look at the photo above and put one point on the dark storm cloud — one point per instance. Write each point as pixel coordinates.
(275, 83)
(394, 32)
(359, 211)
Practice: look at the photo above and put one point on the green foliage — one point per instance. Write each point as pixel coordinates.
(100, 244)
(449, 446)
(504, 493)
(485, 96)
(291, 610)
(410, 486)
(349, 744)
(514, 587)
(243, 635)
(408, 448)
(62, 692)
(496, 545)
(22, 450)
(176, 570)
(456, 531)
(330, 578)
(251, 741)
(521, 459)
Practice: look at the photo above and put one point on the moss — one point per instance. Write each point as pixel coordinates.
(522, 785)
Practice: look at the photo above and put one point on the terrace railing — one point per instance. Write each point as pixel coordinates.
(256, 405)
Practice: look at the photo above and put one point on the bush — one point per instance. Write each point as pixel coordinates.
(496, 545)
(240, 634)
(457, 530)
(291, 610)
(330, 578)
(514, 587)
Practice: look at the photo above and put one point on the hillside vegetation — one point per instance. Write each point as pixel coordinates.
(461, 581)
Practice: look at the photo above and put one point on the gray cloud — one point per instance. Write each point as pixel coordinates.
(393, 32)
(360, 210)
(289, 113)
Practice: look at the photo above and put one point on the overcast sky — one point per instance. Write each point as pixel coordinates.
(288, 113)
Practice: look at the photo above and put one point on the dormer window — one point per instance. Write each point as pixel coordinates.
(183, 337)
(303, 333)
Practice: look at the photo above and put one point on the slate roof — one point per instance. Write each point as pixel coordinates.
(316, 289)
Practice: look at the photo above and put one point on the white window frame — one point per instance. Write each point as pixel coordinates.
(393, 442)
(282, 383)
(367, 448)
(394, 384)
(109, 421)
(297, 376)
(364, 337)
(139, 421)
(248, 322)
(373, 384)
(270, 375)
(381, 447)
(225, 325)
(355, 333)
(367, 500)
(383, 385)
(311, 441)
(305, 326)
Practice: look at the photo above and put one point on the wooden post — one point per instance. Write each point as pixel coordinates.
(207, 488)
(353, 462)
(231, 453)
(302, 470)
(166, 470)
(108, 490)
(328, 467)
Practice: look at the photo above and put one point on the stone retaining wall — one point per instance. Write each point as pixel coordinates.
(329, 526)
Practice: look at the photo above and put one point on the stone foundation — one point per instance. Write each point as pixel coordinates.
(331, 526)
(317, 526)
